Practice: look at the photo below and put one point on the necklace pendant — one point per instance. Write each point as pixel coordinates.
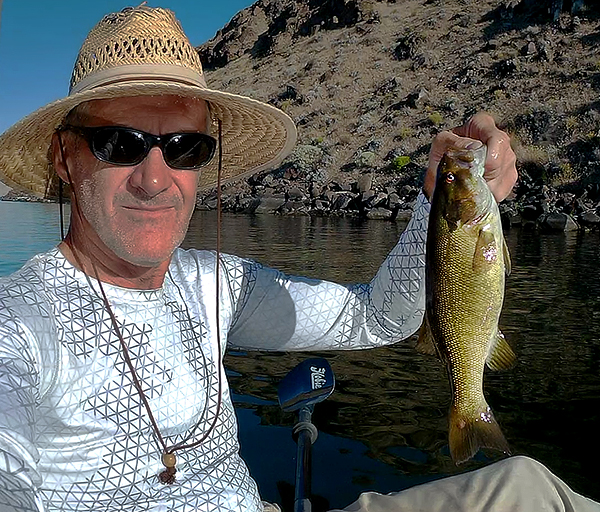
(168, 475)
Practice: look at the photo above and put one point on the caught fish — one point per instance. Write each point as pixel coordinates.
(466, 262)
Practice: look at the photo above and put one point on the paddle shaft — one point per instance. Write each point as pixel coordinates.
(306, 437)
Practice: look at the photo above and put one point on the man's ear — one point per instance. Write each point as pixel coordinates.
(60, 166)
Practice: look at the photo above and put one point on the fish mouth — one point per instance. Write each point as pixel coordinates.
(467, 158)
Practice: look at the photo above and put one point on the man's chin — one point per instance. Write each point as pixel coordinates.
(148, 259)
(145, 256)
(149, 247)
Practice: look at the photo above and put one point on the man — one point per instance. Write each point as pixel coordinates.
(112, 391)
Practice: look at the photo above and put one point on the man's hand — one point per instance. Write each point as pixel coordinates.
(500, 164)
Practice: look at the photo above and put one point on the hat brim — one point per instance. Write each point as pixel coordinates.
(255, 135)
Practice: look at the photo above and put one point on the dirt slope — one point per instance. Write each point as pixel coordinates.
(369, 83)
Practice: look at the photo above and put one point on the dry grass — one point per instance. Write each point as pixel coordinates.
(566, 176)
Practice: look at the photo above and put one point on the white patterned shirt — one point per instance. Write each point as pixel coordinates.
(74, 435)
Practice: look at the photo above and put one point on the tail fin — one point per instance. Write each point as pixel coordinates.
(469, 433)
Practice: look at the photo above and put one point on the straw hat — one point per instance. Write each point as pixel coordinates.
(144, 51)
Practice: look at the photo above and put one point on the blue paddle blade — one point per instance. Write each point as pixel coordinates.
(310, 382)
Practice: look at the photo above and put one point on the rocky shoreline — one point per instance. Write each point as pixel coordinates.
(370, 82)
(370, 197)
(373, 196)
(22, 197)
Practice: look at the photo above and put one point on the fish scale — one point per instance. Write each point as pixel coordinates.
(465, 267)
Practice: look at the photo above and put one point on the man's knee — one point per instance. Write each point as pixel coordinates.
(523, 475)
(521, 465)
(522, 461)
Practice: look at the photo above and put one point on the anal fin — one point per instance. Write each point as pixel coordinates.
(501, 356)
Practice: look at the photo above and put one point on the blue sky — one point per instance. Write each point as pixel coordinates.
(39, 41)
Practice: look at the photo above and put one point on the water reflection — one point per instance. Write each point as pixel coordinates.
(385, 426)
(310, 246)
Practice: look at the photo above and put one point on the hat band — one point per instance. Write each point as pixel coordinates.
(135, 72)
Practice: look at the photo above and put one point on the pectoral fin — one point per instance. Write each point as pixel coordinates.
(507, 263)
(486, 251)
(501, 356)
(425, 344)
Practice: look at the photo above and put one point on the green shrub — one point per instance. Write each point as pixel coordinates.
(399, 162)
(572, 123)
(285, 105)
(405, 132)
(436, 118)
(566, 176)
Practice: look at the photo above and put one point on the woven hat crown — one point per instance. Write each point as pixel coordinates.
(135, 36)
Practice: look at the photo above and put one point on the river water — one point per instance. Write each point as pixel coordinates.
(385, 426)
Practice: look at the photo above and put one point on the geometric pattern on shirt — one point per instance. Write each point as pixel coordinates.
(14, 495)
(405, 269)
(210, 477)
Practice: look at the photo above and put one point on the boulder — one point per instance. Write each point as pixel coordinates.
(394, 201)
(530, 212)
(247, 205)
(321, 205)
(418, 98)
(367, 197)
(210, 203)
(341, 201)
(380, 199)
(365, 159)
(557, 222)
(296, 194)
(269, 204)
(365, 182)
(589, 220)
(328, 195)
(379, 214)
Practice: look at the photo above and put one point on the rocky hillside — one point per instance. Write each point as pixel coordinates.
(369, 84)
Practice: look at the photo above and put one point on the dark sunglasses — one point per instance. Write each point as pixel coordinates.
(119, 145)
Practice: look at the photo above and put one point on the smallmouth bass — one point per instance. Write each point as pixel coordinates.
(466, 262)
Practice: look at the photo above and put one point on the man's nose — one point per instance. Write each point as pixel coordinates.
(152, 176)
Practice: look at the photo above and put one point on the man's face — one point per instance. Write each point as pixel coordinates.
(139, 213)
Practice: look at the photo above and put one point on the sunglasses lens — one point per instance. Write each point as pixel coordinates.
(126, 146)
(119, 146)
(189, 150)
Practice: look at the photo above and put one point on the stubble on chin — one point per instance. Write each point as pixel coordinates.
(145, 249)
(144, 243)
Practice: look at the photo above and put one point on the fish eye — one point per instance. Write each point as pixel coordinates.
(449, 177)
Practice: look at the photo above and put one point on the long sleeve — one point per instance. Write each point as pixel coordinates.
(19, 384)
(274, 311)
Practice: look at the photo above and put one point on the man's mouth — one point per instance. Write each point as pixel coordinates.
(150, 209)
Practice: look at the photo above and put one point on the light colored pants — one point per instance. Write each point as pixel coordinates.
(516, 484)
(270, 507)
